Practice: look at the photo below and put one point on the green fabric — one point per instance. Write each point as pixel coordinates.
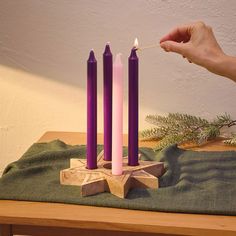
(195, 182)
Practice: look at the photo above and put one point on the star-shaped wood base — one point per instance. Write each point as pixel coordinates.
(99, 180)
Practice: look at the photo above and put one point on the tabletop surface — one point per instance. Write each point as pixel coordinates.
(89, 217)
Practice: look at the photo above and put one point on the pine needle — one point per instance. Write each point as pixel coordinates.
(181, 128)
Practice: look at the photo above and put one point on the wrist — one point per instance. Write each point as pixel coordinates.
(226, 66)
(219, 64)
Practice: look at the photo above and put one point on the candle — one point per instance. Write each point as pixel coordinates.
(107, 102)
(133, 108)
(91, 111)
(117, 122)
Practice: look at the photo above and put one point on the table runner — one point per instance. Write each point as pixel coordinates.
(194, 181)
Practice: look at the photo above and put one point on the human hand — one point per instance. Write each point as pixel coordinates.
(197, 43)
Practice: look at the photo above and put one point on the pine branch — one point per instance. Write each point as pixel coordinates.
(180, 128)
(209, 133)
(168, 140)
(223, 120)
(152, 134)
(231, 141)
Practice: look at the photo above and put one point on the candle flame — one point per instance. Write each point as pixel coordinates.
(136, 43)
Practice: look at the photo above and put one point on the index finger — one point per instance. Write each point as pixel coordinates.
(179, 34)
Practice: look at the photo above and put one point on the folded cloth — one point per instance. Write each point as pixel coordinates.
(194, 182)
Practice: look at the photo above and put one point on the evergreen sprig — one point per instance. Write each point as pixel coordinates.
(231, 141)
(182, 128)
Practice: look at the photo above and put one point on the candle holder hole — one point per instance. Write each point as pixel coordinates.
(107, 166)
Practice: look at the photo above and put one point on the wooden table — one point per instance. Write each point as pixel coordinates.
(52, 219)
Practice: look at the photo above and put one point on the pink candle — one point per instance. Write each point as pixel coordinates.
(117, 117)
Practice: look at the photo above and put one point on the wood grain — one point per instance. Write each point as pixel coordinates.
(62, 231)
(6, 230)
(101, 218)
(99, 180)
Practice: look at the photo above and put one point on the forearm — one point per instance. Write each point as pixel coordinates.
(226, 66)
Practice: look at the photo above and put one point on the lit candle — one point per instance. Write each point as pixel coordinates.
(117, 122)
(133, 108)
(91, 111)
(107, 102)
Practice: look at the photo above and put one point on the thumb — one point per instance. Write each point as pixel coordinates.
(172, 46)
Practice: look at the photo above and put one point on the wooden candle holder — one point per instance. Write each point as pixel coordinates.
(99, 180)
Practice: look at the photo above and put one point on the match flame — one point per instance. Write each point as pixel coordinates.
(136, 43)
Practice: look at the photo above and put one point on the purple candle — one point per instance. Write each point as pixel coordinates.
(91, 111)
(133, 110)
(107, 102)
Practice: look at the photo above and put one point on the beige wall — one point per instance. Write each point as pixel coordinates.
(44, 46)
